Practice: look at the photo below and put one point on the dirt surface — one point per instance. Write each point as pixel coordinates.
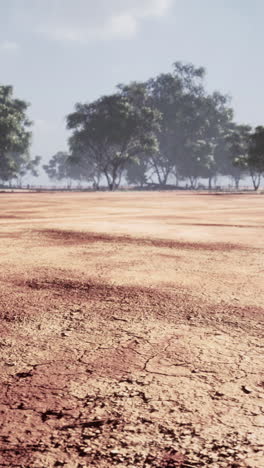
(131, 330)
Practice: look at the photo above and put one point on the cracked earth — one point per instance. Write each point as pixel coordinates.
(131, 330)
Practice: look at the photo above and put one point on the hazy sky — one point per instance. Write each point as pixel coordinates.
(58, 52)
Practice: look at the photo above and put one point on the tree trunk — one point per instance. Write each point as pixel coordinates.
(109, 181)
(256, 180)
(112, 183)
(96, 182)
(193, 182)
(237, 180)
(165, 179)
(159, 177)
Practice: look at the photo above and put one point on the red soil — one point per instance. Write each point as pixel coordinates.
(131, 330)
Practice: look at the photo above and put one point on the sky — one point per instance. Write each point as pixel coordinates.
(59, 52)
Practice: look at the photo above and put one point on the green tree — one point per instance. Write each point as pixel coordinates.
(255, 160)
(216, 120)
(197, 160)
(192, 127)
(60, 167)
(136, 172)
(85, 169)
(175, 96)
(28, 167)
(237, 142)
(15, 134)
(201, 153)
(111, 132)
(138, 168)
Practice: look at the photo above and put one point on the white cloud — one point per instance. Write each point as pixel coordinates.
(9, 46)
(119, 26)
(123, 25)
(153, 8)
(84, 21)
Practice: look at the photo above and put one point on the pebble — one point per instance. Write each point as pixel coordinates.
(130, 429)
(114, 452)
(246, 389)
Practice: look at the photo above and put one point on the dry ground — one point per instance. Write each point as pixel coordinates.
(131, 330)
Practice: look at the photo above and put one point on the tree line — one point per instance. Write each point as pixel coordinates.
(164, 131)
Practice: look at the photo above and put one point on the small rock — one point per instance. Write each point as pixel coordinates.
(219, 394)
(86, 449)
(230, 451)
(130, 428)
(114, 452)
(246, 389)
(10, 363)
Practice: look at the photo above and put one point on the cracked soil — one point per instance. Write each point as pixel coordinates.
(131, 330)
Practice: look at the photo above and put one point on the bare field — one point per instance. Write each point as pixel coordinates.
(131, 330)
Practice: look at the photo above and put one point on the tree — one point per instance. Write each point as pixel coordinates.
(28, 167)
(111, 132)
(175, 96)
(15, 135)
(197, 160)
(85, 169)
(238, 150)
(193, 124)
(136, 171)
(203, 125)
(138, 168)
(255, 160)
(61, 167)
(216, 120)
(149, 131)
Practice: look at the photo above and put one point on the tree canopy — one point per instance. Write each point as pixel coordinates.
(111, 132)
(150, 131)
(15, 137)
(255, 158)
(166, 130)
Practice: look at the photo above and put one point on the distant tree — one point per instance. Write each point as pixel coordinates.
(237, 142)
(255, 160)
(167, 126)
(138, 169)
(201, 152)
(29, 167)
(60, 167)
(111, 132)
(175, 96)
(85, 169)
(217, 116)
(197, 160)
(192, 127)
(15, 135)
(136, 172)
